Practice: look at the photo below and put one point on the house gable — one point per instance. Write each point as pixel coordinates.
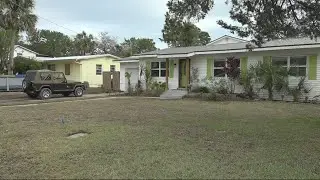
(226, 40)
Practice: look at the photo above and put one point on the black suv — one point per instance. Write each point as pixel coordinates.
(44, 83)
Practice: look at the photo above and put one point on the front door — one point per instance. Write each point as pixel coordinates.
(182, 73)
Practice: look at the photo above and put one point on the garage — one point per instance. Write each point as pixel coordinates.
(134, 77)
(130, 66)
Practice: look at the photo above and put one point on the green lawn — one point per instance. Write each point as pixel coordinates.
(149, 138)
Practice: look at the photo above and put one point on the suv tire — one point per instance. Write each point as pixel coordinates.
(24, 84)
(78, 92)
(45, 93)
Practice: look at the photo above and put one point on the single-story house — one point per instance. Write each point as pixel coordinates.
(83, 68)
(173, 65)
(24, 52)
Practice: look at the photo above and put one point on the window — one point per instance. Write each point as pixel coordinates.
(45, 76)
(67, 69)
(297, 65)
(58, 76)
(19, 54)
(218, 68)
(112, 68)
(52, 67)
(98, 69)
(158, 69)
(280, 61)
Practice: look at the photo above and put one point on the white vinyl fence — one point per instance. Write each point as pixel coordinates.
(11, 83)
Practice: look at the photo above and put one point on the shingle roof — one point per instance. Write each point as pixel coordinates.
(228, 47)
(234, 46)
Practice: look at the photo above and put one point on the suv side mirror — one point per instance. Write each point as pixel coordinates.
(65, 80)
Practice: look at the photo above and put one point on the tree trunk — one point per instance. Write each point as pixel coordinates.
(270, 93)
(10, 65)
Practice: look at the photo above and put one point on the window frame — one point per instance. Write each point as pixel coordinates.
(112, 67)
(159, 69)
(219, 68)
(288, 66)
(100, 69)
(65, 69)
(50, 67)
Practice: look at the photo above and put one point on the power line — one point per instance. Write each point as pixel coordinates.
(56, 24)
(47, 19)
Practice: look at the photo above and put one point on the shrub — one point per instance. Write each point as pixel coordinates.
(204, 89)
(22, 65)
(138, 88)
(222, 87)
(298, 90)
(157, 88)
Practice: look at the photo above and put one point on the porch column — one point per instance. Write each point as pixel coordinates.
(167, 73)
(188, 71)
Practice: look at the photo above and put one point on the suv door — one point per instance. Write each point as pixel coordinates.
(59, 82)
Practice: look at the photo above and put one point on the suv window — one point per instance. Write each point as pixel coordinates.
(58, 76)
(45, 76)
(30, 76)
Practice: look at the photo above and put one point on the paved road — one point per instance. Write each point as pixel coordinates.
(18, 98)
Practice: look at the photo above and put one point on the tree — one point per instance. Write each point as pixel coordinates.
(233, 71)
(177, 33)
(5, 49)
(22, 65)
(84, 44)
(107, 44)
(51, 43)
(16, 16)
(137, 46)
(271, 77)
(260, 19)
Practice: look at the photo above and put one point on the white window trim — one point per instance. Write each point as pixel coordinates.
(289, 65)
(214, 68)
(100, 69)
(158, 69)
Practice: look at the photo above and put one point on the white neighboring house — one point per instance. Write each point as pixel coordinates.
(301, 55)
(24, 52)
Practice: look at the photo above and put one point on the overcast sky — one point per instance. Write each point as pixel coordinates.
(121, 18)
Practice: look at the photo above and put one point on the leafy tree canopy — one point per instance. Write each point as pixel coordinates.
(51, 43)
(260, 19)
(177, 33)
(137, 46)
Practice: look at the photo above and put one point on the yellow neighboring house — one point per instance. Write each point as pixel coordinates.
(83, 68)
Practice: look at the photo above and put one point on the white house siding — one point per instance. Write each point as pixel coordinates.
(173, 82)
(254, 57)
(24, 53)
(226, 40)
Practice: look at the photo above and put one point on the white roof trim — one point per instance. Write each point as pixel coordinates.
(226, 36)
(76, 58)
(128, 61)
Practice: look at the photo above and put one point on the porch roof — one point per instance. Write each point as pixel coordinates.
(289, 43)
